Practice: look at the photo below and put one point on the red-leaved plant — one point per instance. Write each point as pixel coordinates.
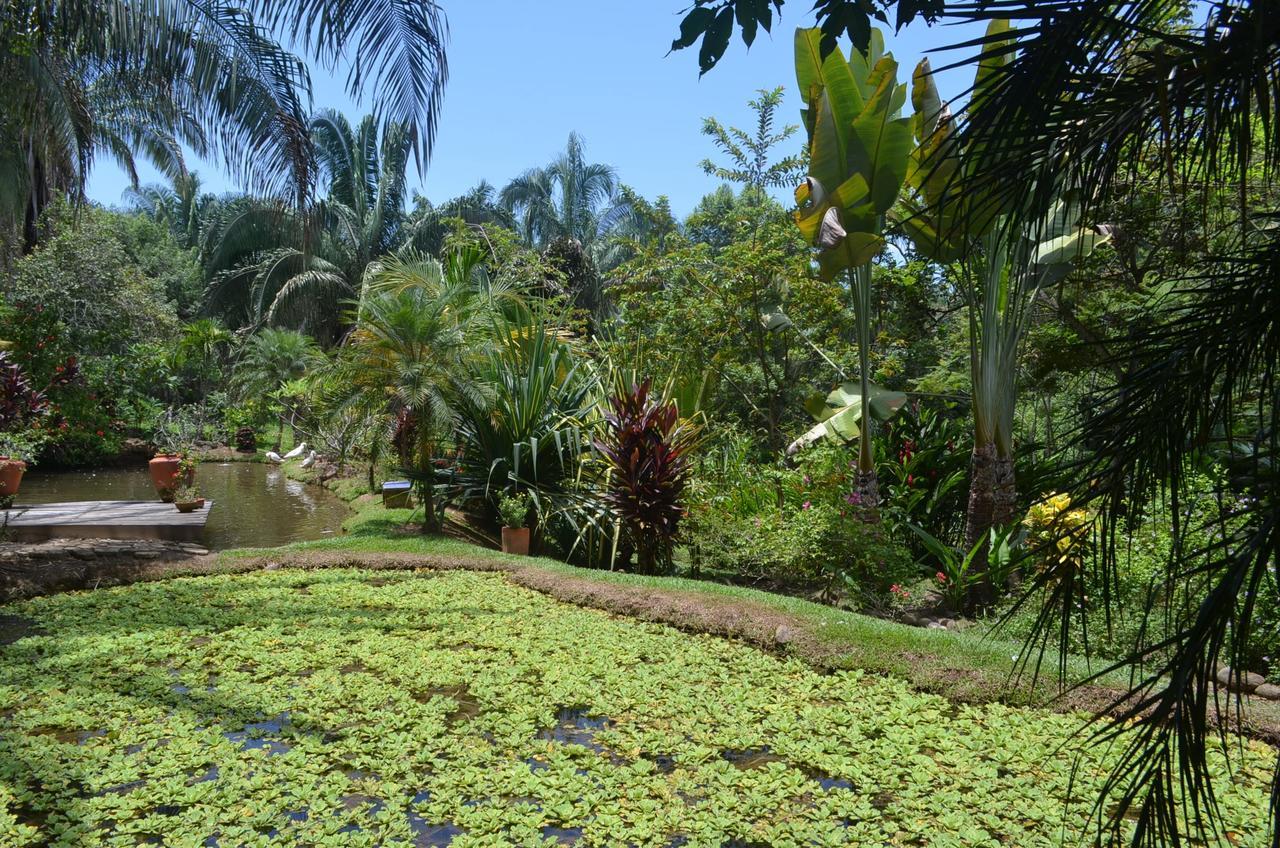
(647, 447)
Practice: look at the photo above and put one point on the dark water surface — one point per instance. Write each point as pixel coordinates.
(255, 505)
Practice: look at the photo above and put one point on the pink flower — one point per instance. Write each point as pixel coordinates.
(942, 578)
(806, 505)
(807, 481)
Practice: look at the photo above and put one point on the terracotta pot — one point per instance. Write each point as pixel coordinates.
(188, 506)
(11, 471)
(164, 469)
(515, 540)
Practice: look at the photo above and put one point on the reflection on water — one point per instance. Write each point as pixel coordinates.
(254, 504)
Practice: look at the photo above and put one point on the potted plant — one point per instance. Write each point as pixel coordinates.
(18, 449)
(170, 469)
(514, 511)
(187, 498)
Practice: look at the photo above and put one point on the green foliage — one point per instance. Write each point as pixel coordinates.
(513, 509)
(282, 681)
(528, 430)
(750, 154)
(23, 444)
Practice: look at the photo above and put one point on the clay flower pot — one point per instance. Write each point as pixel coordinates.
(164, 475)
(190, 506)
(515, 540)
(11, 471)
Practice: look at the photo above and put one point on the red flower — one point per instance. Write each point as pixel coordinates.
(942, 578)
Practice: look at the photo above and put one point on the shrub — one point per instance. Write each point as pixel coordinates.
(514, 509)
(646, 448)
(814, 543)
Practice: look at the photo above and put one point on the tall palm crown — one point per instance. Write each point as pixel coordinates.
(89, 76)
(272, 264)
(569, 198)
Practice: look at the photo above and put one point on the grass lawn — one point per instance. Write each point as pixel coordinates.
(353, 707)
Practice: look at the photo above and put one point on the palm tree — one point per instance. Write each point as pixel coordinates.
(272, 358)
(203, 347)
(409, 358)
(273, 264)
(568, 209)
(569, 198)
(109, 76)
(427, 225)
(188, 213)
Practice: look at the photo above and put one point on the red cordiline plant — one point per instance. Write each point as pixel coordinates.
(647, 449)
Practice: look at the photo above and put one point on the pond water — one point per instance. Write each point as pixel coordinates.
(255, 505)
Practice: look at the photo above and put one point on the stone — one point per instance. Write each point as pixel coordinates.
(1251, 681)
(937, 625)
(784, 634)
(1270, 691)
(146, 554)
(1246, 682)
(83, 553)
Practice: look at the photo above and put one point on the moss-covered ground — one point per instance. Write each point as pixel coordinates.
(355, 707)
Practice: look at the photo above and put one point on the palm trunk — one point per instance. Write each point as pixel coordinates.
(867, 484)
(993, 497)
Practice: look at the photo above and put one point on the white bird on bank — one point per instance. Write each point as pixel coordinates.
(272, 456)
(310, 460)
(298, 451)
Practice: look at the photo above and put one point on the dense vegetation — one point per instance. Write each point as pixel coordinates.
(1010, 359)
(366, 708)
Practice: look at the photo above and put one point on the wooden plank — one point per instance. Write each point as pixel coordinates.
(104, 520)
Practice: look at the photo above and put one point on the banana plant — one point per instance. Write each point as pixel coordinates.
(858, 145)
(1005, 255)
(839, 414)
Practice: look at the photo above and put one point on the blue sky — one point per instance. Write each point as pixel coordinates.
(525, 74)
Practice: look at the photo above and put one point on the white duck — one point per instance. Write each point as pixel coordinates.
(310, 460)
(298, 451)
(272, 456)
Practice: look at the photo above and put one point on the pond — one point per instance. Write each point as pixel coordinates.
(255, 505)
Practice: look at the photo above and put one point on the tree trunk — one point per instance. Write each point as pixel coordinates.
(993, 497)
(866, 486)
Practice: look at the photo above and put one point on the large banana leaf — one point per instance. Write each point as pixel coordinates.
(859, 145)
(839, 413)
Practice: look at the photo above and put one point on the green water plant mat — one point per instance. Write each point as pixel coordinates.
(398, 708)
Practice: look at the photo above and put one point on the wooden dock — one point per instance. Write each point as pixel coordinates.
(103, 520)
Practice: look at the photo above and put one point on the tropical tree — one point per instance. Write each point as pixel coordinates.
(411, 359)
(568, 198)
(106, 76)
(273, 264)
(1008, 255)
(269, 360)
(858, 150)
(428, 225)
(202, 349)
(1112, 82)
(181, 206)
(569, 208)
(749, 154)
